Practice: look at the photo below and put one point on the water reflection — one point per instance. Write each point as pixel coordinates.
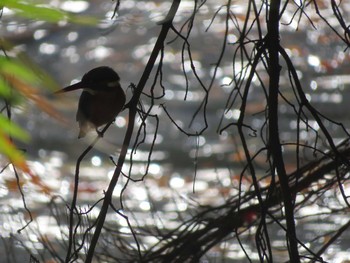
(75, 6)
(170, 191)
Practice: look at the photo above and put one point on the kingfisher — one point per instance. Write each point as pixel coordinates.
(100, 102)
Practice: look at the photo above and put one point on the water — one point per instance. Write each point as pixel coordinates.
(186, 174)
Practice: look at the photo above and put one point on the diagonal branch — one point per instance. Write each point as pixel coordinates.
(132, 105)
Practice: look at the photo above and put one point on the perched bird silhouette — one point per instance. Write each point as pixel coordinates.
(101, 100)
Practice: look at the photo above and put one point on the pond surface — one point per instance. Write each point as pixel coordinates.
(184, 172)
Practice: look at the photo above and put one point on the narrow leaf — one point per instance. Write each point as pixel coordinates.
(11, 129)
(48, 14)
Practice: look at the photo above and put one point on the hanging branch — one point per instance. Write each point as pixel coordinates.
(275, 150)
(73, 209)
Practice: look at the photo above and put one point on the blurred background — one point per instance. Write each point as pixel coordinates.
(185, 172)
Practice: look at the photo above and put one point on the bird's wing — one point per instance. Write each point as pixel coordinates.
(83, 107)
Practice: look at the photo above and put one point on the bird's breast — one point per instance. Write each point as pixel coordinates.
(101, 107)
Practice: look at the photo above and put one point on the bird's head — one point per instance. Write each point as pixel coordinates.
(98, 79)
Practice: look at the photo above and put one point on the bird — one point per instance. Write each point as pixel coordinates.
(100, 102)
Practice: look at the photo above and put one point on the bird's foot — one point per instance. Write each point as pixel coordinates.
(99, 133)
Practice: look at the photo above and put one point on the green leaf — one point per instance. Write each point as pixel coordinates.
(32, 11)
(83, 20)
(11, 129)
(5, 89)
(14, 67)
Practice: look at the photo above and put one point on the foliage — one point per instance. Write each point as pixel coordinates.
(41, 12)
(20, 79)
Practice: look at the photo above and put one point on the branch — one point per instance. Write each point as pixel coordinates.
(274, 142)
(197, 235)
(132, 105)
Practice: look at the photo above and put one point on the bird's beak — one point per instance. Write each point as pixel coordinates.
(75, 86)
